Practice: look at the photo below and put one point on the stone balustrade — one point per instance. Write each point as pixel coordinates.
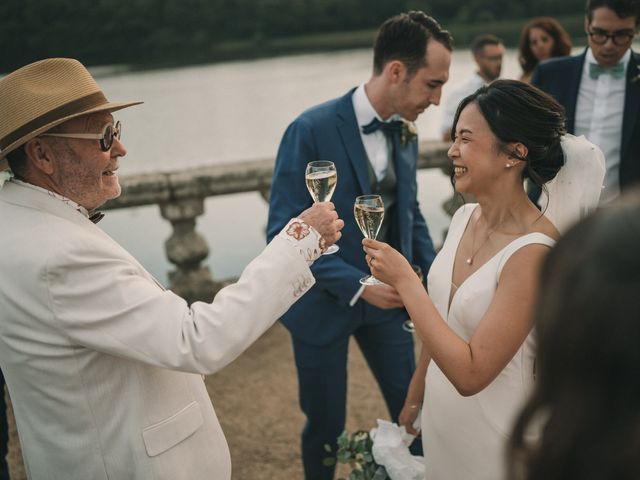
(180, 196)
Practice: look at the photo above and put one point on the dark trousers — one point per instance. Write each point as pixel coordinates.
(322, 377)
(4, 433)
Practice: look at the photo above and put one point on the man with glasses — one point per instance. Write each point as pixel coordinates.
(104, 366)
(600, 90)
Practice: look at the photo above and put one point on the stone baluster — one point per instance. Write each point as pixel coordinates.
(186, 248)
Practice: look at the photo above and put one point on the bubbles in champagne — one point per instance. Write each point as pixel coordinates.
(369, 219)
(321, 184)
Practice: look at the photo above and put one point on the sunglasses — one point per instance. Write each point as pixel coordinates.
(109, 132)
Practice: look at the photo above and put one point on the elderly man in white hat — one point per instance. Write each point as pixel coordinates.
(102, 364)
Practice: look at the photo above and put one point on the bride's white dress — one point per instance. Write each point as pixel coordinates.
(465, 437)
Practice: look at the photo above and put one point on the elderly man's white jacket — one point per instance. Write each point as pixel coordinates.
(104, 366)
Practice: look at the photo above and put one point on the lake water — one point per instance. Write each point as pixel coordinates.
(226, 112)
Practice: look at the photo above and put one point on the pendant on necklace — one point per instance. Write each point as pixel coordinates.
(469, 261)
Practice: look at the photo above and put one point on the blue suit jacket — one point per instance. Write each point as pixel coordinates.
(560, 77)
(330, 132)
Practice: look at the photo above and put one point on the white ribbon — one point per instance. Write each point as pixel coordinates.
(575, 190)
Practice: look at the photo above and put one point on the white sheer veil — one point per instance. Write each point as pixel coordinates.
(575, 190)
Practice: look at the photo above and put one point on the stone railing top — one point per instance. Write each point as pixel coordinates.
(227, 178)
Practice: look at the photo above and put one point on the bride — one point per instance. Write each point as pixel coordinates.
(478, 354)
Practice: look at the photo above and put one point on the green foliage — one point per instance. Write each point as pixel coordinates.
(148, 32)
(355, 450)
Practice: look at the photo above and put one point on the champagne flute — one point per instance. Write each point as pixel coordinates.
(321, 178)
(369, 212)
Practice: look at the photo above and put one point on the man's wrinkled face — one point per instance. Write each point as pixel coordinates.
(83, 172)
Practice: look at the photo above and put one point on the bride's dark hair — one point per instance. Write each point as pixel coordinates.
(586, 400)
(519, 112)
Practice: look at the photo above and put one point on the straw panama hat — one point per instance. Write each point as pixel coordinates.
(41, 95)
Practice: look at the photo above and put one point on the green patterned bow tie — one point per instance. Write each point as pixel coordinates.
(595, 70)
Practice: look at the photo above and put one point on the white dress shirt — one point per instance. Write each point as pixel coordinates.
(599, 111)
(455, 96)
(375, 144)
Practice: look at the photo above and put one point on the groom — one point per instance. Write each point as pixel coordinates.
(369, 136)
(600, 90)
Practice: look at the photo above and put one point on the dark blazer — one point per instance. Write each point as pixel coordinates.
(330, 132)
(560, 77)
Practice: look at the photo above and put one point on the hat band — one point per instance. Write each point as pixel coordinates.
(73, 108)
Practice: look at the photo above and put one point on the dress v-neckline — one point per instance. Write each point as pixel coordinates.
(451, 298)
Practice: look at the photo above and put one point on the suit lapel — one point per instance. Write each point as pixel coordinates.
(574, 81)
(350, 133)
(631, 103)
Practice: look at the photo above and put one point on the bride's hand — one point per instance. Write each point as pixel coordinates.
(407, 416)
(387, 264)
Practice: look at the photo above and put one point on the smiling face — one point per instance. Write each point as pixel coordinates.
(604, 20)
(410, 95)
(540, 43)
(82, 171)
(477, 160)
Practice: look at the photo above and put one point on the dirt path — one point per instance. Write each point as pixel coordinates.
(257, 403)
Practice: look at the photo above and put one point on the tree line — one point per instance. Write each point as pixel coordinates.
(147, 32)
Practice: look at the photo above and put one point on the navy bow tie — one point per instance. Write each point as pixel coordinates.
(388, 128)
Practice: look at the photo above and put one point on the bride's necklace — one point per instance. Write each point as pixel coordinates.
(474, 251)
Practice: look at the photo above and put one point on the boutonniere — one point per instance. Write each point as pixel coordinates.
(408, 132)
(636, 78)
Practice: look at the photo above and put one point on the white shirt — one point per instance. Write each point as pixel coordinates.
(599, 111)
(458, 92)
(375, 143)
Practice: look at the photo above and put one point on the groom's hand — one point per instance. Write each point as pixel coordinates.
(382, 296)
(323, 217)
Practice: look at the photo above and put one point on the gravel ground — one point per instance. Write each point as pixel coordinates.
(257, 403)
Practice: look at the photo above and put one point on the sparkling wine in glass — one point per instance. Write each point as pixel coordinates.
(321, 178)
(369, 212)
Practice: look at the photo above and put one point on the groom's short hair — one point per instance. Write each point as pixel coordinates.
(404, 37)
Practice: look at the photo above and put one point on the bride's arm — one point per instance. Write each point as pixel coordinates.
(415, 394)
(469, 366)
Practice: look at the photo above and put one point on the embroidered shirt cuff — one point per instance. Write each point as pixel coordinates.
(355, 298)
(304, 238)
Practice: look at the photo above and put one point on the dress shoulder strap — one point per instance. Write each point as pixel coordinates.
(523, 241)
(462, 215)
